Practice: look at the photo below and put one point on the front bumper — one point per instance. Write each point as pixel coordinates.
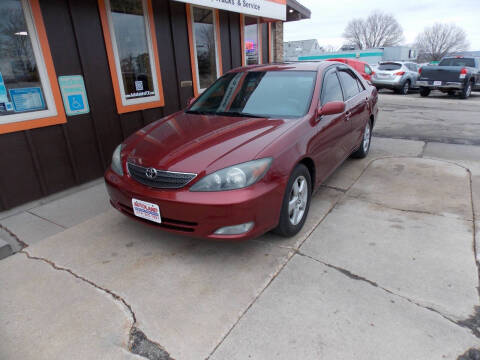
(444, 85)
(200, 214)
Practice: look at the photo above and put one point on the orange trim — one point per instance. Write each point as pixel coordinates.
(282, 2)
(60, 118)
(242, 37)
(113, 68)
(219, 43)
(270, 55)
(188, 8)
(191, 43)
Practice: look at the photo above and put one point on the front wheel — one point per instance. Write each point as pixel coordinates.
(296, 202)
(364, 147)
(424, 92)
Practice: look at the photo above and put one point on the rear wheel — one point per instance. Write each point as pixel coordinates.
(365, 144)
(405, 88)
(296, 202)
(424, 91)
(466, 91)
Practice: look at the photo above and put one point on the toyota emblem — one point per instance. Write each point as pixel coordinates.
(151, 173)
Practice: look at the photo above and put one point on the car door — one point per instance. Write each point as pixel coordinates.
(327, 147)
(356, 107)
(413, 73)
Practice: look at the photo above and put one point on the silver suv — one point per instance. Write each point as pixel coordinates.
(396, 75)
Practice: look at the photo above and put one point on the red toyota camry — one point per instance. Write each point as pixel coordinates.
(245, 157)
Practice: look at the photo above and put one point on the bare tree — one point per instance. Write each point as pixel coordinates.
(440, 39)
(377, 30)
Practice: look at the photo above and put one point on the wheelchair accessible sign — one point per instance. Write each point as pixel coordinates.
(74, 94)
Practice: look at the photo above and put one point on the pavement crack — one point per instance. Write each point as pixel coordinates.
(424, 147)
(359, 197)
(10, 233)
(333, 188)
(138, 342)
(472, 323)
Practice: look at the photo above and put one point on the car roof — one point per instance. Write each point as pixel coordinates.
(288, 66)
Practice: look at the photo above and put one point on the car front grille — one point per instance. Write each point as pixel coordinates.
(159, 179)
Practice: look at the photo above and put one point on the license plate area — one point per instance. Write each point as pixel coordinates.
(437, 83)
(146, 210)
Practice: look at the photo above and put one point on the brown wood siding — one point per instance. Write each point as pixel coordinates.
(43, 161)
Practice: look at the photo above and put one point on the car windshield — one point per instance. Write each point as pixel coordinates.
(458, 62)
(389, 66)
(282, 94)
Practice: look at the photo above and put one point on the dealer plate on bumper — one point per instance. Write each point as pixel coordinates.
(146, 210)
(437, 83)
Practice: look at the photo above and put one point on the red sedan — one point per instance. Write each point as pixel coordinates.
(245, 157)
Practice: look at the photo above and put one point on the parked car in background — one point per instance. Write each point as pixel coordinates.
(245, 157)
(396, 75)
(453, 75)
(362, 67)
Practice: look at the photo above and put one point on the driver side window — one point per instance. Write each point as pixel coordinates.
(331, 89)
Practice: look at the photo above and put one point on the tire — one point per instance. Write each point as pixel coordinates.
(288, 224)
(466, 91)
(424, 92)
(364, 146)
(405, 88)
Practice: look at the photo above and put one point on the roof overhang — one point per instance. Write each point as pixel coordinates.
(296, 11)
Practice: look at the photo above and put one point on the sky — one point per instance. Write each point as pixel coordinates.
(329, 18)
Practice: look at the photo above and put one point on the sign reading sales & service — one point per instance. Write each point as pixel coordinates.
(273, 9)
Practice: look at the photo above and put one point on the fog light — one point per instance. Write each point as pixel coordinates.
(235, 229)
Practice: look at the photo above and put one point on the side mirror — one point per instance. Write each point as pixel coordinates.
(332, 108)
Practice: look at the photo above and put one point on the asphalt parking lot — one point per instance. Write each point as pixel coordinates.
(385, 267)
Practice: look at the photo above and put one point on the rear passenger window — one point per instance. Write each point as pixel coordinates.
(368, 70)
(331, 90)
(349, 83)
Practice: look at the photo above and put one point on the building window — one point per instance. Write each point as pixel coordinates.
(129, 33)
(205, 50)
(251, 41)
(29, 93)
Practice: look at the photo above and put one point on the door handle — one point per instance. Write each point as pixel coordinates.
(347, 115)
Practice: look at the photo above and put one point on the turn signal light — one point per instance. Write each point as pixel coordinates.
(400, 73)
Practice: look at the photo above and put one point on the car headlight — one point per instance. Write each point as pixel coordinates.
(234, 177)
(116, 161)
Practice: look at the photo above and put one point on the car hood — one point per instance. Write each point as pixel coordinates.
(195, 143)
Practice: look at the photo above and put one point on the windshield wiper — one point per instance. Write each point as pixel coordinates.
(238, 113)
(200, 112)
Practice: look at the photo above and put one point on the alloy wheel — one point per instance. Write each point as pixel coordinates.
(297, 203)
(366, 138)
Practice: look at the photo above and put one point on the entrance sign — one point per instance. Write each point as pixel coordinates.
(273, 9)
(74, 94)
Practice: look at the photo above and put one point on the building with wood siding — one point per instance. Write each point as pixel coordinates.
(78, 77)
